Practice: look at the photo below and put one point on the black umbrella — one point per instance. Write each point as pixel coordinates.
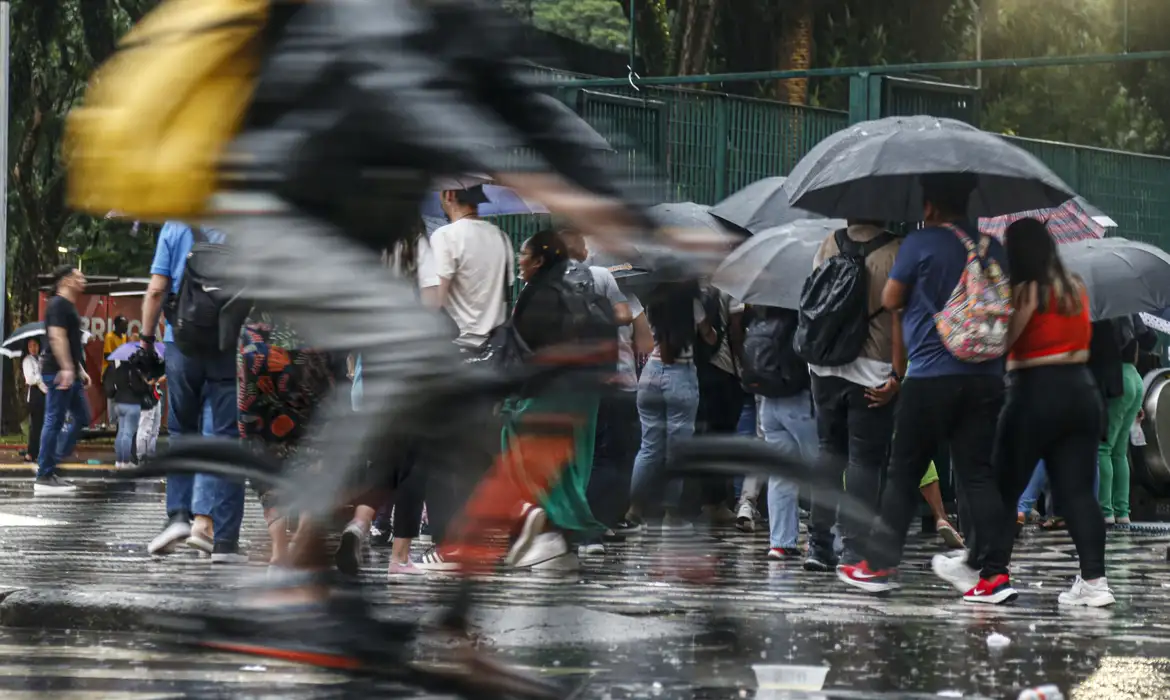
(759, 206)
(1123, 277)
(15, 344)
(769, 269)
(877, 174)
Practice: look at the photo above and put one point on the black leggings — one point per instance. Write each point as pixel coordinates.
(1052, 413)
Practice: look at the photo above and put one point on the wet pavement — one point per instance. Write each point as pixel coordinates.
(693, 616)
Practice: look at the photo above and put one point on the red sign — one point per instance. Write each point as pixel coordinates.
(98, 312)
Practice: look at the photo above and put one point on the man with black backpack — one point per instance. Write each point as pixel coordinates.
(198, 372)
(855, 354)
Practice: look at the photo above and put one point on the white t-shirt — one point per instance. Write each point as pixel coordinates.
(627, 363)
(428, 268)
(477, 258)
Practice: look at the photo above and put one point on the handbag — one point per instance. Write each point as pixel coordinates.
(504, 350)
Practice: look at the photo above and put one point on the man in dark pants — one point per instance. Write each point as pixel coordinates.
(854, 403)
(942, 399)
(721, 400)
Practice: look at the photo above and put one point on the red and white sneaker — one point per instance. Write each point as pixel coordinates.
(864, 578)
(992, 591)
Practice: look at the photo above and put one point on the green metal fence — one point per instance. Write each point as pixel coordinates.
(1132, 188)
(710, 144)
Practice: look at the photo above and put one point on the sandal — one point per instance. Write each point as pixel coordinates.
(1052, 524)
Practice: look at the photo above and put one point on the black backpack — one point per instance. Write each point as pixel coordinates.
(834, 305)
(771, 366)
(205, 314)
(588, 315)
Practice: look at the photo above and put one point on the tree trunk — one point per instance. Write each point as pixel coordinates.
(652, 32)
(684, 36)
(796, 53)
(706, 29)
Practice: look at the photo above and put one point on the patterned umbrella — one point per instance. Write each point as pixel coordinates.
(1075, 220)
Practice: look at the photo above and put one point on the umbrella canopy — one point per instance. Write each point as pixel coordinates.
(687, 215)
(759, 206)
(125, 350)
(1123, 277)
(878, 175)
(502, 201)
(1075, 220)
(769, 269)
(14, 345)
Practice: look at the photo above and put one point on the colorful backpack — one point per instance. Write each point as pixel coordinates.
(973, 325)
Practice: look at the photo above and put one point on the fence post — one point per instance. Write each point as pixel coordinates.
(723, 144)
(858, 98)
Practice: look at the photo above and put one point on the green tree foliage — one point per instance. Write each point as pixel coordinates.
(596, 22)
(55, 47)
(1079, 104)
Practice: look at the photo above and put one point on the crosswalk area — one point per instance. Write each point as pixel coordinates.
(649, 598)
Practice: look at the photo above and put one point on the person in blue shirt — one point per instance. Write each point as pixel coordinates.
(197, 388)
(943, 400)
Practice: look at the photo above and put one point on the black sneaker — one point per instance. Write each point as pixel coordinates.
(613, 537)
(379, 537)
(350, 552)
(228, 553)
(52, 484)
(820, 561)
(629, 527)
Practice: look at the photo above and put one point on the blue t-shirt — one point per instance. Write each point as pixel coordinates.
(170, 257)
(930, 263)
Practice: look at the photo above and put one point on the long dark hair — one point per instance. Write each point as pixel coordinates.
(1032, 257)
(672, 317)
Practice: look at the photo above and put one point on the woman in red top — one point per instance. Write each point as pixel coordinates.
(1052, 410)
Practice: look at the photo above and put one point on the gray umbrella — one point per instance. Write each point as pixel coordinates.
(878, 175)
(769, 269)
(687, 215)
(759, 206)
(1123, 277)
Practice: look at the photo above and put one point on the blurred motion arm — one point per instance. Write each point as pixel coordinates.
(152, 303)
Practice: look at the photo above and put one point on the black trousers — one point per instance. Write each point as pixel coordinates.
(721, 400)
(618, 437)
(36, 421)
(961, 410)
(1052, 413)
(855, 444)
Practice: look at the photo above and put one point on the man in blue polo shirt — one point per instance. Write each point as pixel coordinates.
(943, 400)
(196, 387)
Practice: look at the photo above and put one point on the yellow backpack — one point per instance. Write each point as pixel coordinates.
(157, 116)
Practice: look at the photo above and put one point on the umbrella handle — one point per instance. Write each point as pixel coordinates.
(630, 77)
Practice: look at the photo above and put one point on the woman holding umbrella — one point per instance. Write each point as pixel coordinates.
(31, 365)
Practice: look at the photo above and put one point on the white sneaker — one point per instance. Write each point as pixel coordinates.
(175, 532)
(1091, 594)
(955, 572)
(52, 485)
(566, 563)
(432, 560)
(591, 549)
(745, 517)
(535, 520)
(352, 549)
(545, 547)
(229, 558)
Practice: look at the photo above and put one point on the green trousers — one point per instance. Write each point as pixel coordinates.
(565, 501)
(1113, 453)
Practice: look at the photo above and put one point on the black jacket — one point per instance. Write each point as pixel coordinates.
(361, 103)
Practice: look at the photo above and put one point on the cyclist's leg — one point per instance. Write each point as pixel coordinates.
(339, 297)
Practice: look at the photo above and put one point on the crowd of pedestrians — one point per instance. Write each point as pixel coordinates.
(1031, 399)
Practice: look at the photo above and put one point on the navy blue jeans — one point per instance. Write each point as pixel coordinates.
(201, 399)
(57, 441)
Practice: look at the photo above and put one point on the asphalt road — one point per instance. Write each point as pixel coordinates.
(693, 616)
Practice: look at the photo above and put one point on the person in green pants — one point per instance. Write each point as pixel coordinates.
(1113, 453)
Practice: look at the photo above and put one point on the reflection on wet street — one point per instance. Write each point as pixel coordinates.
(704, 615)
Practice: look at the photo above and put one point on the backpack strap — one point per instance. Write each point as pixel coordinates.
(199, 234)
(980, 251)
(848, 246)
